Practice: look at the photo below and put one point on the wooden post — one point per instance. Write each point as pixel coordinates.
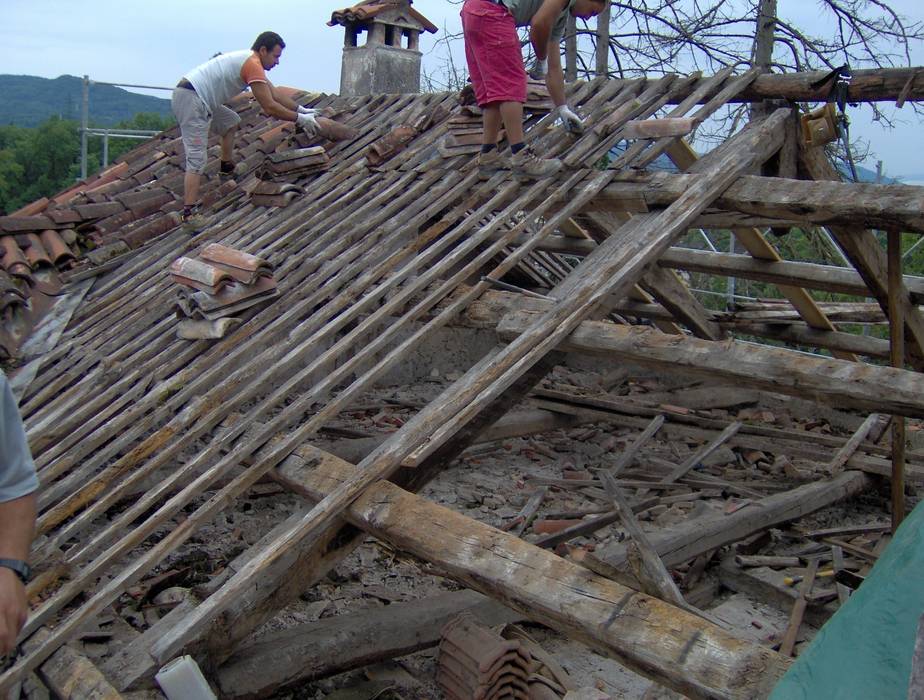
(603, 42)
(897, 345)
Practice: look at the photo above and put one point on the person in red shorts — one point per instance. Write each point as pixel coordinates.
(495, 64)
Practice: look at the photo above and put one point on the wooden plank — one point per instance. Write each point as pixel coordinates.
(798, 610)
(836, 465)
(655, 578)
(629, 454)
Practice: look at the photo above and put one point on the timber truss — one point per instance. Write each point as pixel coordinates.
(371, 262)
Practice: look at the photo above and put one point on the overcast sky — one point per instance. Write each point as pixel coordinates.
(155, 42)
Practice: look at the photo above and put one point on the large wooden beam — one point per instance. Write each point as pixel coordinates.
(665, 643)
(837, 382)
(869, 258)
(775, 199)
(873, 85)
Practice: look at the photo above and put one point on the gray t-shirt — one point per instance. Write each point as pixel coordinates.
(17, 471)
(524, 10)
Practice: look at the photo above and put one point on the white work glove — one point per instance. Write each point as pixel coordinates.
(539, 69)
(302, 109)
(308, 124)
(571, 121)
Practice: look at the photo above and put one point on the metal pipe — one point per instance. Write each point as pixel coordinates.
(84, 123)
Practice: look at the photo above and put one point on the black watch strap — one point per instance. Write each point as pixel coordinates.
(18, 566)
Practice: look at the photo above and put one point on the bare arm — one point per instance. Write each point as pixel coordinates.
(555, 77)
(18, 518)
(267, 97)
(540, 27)
(282, 99)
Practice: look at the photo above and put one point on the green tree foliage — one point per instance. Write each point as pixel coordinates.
(44, 160)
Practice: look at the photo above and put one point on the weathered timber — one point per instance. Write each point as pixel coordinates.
(69, 674)
(629, 454)
(754, 242)
(652, 572)
(836, 465)
(780, 200)
(291, 569)
(278, 659)
(872, 85)
(677, 545)
(897, 357)
(866, 255)
(798, 610)
(825, 278)
(548, 589)
(840, 383)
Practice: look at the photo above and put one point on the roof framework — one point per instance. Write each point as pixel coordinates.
(371, 262)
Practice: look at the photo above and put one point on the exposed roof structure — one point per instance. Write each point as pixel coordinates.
(141, 437)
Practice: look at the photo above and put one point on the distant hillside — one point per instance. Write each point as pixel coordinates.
(28, 101)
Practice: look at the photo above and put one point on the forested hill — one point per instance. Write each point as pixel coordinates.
(28, 101)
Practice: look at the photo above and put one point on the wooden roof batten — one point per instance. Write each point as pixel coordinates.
(353, 281)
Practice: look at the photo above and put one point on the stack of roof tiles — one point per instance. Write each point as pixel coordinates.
(478, 664)
(222, 281)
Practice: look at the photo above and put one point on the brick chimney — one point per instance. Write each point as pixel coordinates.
(381, 50)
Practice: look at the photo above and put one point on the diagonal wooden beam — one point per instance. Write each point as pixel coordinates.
(665, 643)
(869, 259)
(754, 242)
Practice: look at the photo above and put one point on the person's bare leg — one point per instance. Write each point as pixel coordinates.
(511, 114)
(491, 122)
(191, 188)
(227, 144)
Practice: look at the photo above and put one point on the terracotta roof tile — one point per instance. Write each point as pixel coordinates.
(36, 253)
(364, 11)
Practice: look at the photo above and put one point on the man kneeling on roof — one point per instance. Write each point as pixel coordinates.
(199, 105)
(495, 64)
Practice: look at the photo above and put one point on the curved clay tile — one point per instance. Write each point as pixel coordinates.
(56, 247)
(12, 254)
(36, 253)
(111, 174)
(32, 209)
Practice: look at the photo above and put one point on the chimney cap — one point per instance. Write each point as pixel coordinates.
(370, 9)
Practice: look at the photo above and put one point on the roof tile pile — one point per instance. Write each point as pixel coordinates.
(224, 281)
(476, 663)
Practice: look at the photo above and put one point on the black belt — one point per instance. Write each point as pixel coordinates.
(184, 83)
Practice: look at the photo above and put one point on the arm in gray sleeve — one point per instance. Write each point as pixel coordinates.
(17, 471)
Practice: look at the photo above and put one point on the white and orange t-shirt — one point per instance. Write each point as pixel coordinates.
(219, 79)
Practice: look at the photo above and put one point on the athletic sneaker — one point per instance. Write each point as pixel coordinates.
(527, 164)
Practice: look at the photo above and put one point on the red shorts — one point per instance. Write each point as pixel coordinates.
(492, 50)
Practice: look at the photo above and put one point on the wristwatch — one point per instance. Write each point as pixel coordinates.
(19, 567)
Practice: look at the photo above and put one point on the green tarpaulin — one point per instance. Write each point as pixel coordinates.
(864, 651)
